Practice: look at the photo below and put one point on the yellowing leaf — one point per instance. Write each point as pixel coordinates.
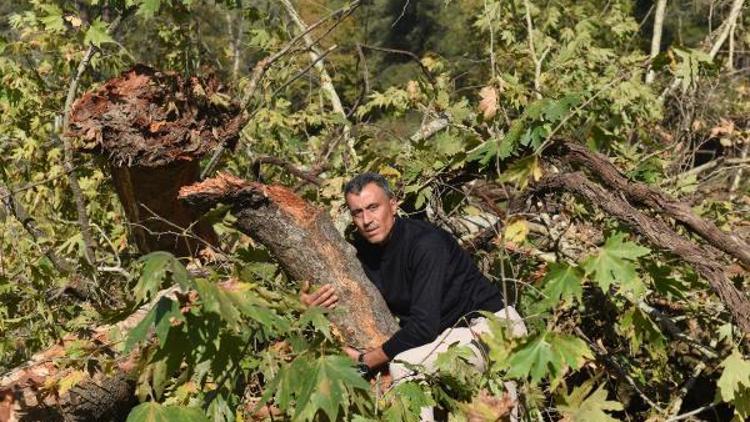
(522, 171)
(735, 377)
(69, 381)
(488, 103)
(516, 231)
(75, 21)
(576, 407)
(388, 171)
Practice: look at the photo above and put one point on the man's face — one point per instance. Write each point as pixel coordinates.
(373, 212)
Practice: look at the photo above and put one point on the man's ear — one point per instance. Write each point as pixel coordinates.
(394, 205)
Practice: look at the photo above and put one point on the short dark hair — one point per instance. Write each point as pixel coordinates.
(358, 182)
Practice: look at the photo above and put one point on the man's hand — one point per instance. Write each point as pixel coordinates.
(372, 358)
(325, 296)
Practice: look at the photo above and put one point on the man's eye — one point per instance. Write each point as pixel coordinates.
(372, 207)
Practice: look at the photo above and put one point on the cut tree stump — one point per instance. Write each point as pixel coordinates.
(153, 128)
(307, 245)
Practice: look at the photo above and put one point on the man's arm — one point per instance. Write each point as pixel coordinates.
(372, 358)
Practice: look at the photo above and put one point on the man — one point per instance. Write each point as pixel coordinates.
(428, 282)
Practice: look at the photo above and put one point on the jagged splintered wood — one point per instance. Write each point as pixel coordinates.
(153, 127)
(307, 245)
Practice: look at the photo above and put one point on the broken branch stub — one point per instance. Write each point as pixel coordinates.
(153, 128)
(307, 245)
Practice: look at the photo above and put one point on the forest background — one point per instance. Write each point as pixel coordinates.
(473, 109)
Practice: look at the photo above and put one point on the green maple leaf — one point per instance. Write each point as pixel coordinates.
(448, 145)
(548, 354)
(614, 263)
(562, 283)
(579, 406)
(98, 34)
(408, 399)
(155, 412)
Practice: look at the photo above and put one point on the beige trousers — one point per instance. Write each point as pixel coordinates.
(463, 336)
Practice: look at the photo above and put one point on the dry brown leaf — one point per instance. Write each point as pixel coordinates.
(725, 127)
(488, 103)
(485, 407)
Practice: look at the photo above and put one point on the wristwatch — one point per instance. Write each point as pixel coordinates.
(362, 367)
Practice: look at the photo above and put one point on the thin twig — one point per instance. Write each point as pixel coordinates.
(68, 151)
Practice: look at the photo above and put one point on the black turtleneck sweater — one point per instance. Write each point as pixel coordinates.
(427, 280)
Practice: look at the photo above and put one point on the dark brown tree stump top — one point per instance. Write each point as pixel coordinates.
(150, 118)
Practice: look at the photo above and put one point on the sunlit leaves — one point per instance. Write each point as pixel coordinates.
(406, 400)
(562, 284)
(734, 383)
(155, 412)
(614, 263)
(580, 406)
(547, 354)
(308, 385)
(97, 33)
(523, 171)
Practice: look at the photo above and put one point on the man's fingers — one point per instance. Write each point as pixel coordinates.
(330, 303)
(305, 286)
(322, 295)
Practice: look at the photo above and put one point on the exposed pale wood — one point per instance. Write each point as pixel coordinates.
(661, 7)
(307, 245)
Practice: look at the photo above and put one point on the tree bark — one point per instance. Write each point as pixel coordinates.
(307, 245)
(657, 200)
(705, 262)
(29, 392)
(153, 127)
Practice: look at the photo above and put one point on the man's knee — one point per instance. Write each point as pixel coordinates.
(515, 322)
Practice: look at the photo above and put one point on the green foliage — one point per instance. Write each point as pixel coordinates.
(211, 343)
(155, 412)
(548, 355)
(614, 263)
(308, 385)
(734, 384)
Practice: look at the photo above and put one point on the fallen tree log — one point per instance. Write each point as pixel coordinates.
(32, 392)
(300, 236)
(153, 128)
(307, 245)
(706, 263)
(657, 200)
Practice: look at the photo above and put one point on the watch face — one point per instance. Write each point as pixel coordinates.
(363, 369)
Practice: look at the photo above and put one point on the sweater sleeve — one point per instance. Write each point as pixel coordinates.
(429, 262)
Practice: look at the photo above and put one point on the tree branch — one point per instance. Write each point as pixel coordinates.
(658, 233)
(657, 200)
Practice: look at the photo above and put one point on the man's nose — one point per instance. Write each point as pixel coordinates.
(367, 217)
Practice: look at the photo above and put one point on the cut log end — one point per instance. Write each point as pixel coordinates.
(228, 189)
